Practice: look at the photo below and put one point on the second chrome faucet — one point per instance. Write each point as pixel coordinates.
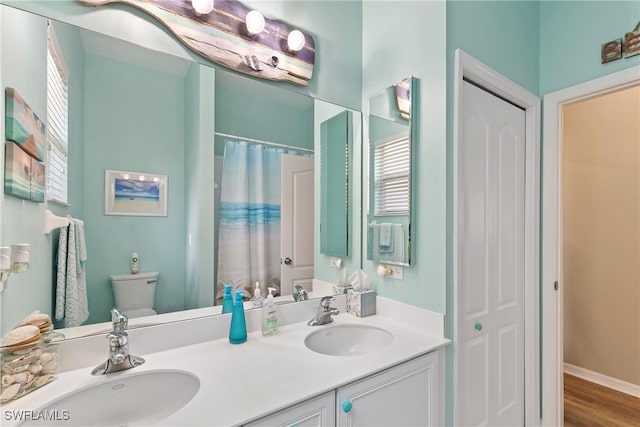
(119, 357)
(325, 311)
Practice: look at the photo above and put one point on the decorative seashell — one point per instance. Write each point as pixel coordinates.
(7, 370)
(25, 348)
(37, 319)
(30, 379)
(20, 378)
(9, 393)
(37, 353)
(20, 368)
(42, 380)
(47, 357)
(20, 335)
(24, 359)
(7, 380)
(49, 367)
(35, 368)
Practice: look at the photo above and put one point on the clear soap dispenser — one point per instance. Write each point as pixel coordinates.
(238, 330)
(269, 316)
(257, 299)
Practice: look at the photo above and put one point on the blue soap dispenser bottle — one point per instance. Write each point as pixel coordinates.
(227, 299)
(238, 330)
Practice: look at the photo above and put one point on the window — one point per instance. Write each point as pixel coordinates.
(391, 177)
(57, 122)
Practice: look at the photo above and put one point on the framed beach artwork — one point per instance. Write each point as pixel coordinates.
(37, 181)
(17, 171)
(135, 193)
(23, 126)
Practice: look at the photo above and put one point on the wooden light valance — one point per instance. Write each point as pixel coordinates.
(222, 37)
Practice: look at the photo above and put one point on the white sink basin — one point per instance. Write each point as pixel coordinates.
(137, 399)
(348, 340)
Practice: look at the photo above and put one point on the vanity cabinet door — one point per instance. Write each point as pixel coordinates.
(406, 395)
(317, 412)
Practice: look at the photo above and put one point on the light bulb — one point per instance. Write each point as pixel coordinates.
(202, 7)
(255, 22)
(295, 40)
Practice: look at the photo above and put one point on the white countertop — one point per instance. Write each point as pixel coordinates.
(241, 383)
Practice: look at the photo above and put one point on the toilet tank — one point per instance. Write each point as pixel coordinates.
(134, 291)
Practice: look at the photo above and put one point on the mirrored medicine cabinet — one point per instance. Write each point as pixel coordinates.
(392, 142)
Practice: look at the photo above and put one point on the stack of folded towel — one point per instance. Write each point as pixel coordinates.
(388, 243)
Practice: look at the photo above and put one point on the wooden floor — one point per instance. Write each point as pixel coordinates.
(589, 404)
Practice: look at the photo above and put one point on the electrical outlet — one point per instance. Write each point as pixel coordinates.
(397, 272)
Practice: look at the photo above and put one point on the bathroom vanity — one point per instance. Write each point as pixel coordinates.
(407, 394)
(275, 380)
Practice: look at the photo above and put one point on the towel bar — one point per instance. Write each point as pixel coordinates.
(51, 221)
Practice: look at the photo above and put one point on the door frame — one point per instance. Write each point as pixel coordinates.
(470, 68)
(552, 322)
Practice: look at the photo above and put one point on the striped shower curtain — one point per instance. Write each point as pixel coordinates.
(249, 232)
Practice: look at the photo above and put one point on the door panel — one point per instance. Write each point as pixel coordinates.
(491, 261)
(297, 223)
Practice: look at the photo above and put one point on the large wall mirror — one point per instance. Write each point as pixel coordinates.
(242, 158)
(391, 143)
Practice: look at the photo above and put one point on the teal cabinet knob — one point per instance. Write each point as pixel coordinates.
(346, 406)
(478, 326)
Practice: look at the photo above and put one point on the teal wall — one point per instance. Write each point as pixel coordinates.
(571, 33)
(504, 35)
(199, 191)
(251, 109)
(119, 137)
(24, 66)
(403, 38)
(23, 39)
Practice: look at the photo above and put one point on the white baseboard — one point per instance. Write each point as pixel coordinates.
(603, 380)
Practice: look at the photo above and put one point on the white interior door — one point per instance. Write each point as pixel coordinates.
(491, 261)
(297, 223)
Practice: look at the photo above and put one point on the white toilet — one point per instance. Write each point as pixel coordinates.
(135, 293)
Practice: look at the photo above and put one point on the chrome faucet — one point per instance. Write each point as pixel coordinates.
(300, 293)
(119, 357)
(325, 311)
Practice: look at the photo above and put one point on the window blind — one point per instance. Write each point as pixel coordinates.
(391, 177)
(57, 123)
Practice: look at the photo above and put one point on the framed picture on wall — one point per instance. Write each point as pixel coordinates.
(23, 126)
(17, 171)
(37, 181)
(135, 193)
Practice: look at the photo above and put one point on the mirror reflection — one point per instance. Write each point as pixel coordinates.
(241, 159)
(390, 153)
(335, 149)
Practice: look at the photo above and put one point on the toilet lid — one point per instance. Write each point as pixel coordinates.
(140, 312)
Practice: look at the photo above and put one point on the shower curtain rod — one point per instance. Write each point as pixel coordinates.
(260, 141)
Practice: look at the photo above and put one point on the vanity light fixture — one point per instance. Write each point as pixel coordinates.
(141, 178)
(255, 22)
(295, 41)
(202, 7)
(232, 40)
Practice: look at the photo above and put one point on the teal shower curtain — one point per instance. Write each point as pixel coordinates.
(249, 231)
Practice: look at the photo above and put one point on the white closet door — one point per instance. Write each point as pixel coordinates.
(490, 303)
